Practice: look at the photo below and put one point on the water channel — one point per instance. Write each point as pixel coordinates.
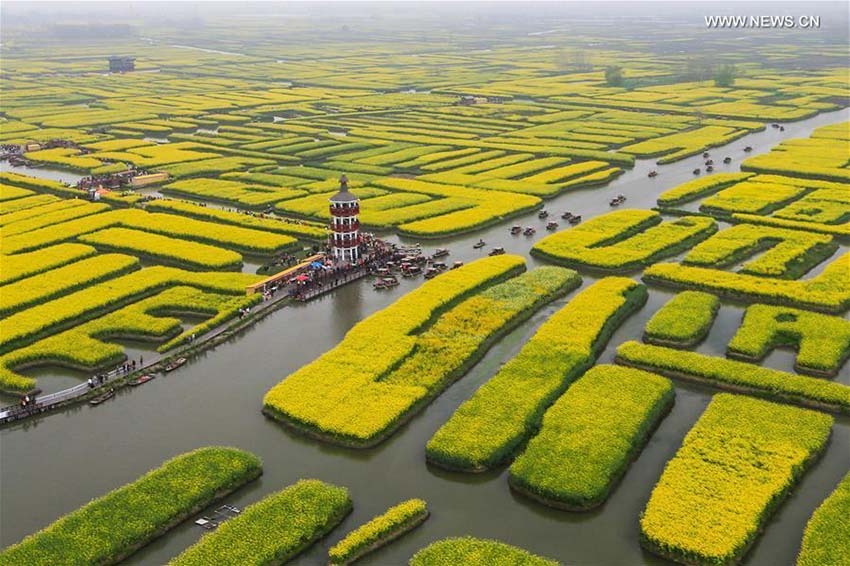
(54, 464)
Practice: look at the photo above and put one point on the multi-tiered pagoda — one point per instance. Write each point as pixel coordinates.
(345, 225)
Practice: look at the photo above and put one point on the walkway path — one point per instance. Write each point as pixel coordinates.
(119, 378)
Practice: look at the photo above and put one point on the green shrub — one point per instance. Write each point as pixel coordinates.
(273, 531)
(828, 292)
(684, 320)
(379, 531)
(623, 241)
(827, 536)
(506, 411)
(18, 266)
(180, 253)
(788, 254)
(61, 280)
(352, 396)
(703, 186)
(735, 467)
(822, 341)
(471, 551)
(590, 436)
(108, 529)
(737, 376)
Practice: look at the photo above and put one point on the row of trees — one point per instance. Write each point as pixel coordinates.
(723, 75)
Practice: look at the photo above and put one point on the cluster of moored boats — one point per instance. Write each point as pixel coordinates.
(412, 263)
(139, 380)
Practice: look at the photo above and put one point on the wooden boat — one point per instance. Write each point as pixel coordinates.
(103, 397)
(709, 162)
(174, 364)
(727, 160)
(653, 173)
(709, 169)
(697, 171)
(142, 379)
(575, 219)
(516, 229)
(781, 128)
(457, 264)
(439, 266)
(529, 231)
(430, 273)
(411, 271)
(385, 283)
(542, 214)
(552, 225)
(497, 251)
(566, 215)
(748, 149)
(479, 244)
(440, 252)
(705, 154)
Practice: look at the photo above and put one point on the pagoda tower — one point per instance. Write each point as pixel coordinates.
(345, 225)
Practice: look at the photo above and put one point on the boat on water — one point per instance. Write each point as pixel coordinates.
(575, 219)
(440, 252)
(430, 273)
(748, 149)
(697, 171)
(653, 173)
(457, 264)
(727, 160)
(385, 282)
(142, 379)
(566, 215)
(439, 266)
(542, 214)
(516, 229)
(551, 225)
(529, 231)
(103, 397)
(497, 251)
(479, 244)
(705, 154)
(174, 364)
(411, 271)
(709, 168)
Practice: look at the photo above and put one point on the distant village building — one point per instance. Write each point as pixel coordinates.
(122, 64)
(345, 224)
(467, 100)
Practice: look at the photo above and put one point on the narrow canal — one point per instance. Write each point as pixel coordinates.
(53, 465)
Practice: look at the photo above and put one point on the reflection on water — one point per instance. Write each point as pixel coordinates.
(42, 173)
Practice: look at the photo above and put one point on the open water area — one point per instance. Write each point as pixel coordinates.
(51, 465)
